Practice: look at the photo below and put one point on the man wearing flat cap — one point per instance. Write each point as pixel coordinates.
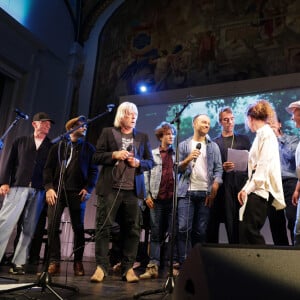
(22, 185)
(294, 110)
(79, 179)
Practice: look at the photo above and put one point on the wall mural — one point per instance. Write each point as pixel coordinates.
(172, 44)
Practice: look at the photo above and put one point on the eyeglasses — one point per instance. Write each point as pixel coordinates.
(227, 120)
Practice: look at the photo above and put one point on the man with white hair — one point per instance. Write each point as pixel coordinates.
(124, 154)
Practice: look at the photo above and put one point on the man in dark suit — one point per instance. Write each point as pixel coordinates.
(79, 179)
(124, 154)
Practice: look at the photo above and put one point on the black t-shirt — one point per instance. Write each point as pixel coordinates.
(123, 176)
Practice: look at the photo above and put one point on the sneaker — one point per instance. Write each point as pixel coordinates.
(98, 276)
(17, 270)
(151, 272)
(130, 276)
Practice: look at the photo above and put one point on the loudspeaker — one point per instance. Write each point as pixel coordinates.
(223, 272)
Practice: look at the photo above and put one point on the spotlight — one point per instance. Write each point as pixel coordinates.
(143, 88)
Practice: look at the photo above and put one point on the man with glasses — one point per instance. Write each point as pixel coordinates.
(226, 206)
(79, 179)
(21, 182)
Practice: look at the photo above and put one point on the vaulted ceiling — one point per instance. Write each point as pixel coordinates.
(84, 14)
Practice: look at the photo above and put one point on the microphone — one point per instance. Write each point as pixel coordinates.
(198, 146)
(21, 114)
(110, 107)
(129, 148)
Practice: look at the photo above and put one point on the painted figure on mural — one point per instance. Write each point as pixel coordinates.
(207, 53)
(162, 69)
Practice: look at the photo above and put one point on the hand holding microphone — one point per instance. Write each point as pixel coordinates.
(131, 160)
(123, 154)
(196, 153)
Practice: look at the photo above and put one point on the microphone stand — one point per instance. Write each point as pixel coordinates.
(44, 279)
(8, 130)
(170, 283)
(66, 134)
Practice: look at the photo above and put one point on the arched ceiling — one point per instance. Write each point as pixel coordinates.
(84, 14)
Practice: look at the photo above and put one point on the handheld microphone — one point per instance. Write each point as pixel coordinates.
(198, 146)
(129, 148)
(21, 114)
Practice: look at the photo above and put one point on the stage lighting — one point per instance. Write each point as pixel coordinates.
(143, 88)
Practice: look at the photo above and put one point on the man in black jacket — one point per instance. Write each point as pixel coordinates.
(79, 179)
(124, 154)
(22, 185)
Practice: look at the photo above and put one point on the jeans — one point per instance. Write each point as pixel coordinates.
(130, 223)
(193, 217)
(28, 201)
(160, 224)
(289, 185)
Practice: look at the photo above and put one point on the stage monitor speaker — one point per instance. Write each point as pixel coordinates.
(224, 272)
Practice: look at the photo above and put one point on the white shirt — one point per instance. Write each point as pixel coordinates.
(38, 142)
(264, 171)
(199, 177)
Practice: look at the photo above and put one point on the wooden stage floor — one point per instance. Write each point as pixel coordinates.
(111, 288)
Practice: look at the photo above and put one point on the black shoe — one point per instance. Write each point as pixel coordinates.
(33, 262)
(17, 270)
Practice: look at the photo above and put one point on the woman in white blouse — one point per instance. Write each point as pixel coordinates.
(264, 175)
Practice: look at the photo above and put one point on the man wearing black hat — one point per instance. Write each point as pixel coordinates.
(79, 179)
(22, 185)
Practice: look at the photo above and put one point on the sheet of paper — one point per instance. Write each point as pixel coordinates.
(239, 158)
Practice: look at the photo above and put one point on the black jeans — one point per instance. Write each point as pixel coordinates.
(129, 212)
(77, 220)
(255, 215)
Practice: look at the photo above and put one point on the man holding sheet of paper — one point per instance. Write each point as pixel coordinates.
(234, 151)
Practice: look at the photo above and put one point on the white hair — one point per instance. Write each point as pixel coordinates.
(124, 109)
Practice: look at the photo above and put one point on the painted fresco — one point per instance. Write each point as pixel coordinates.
(178, 44)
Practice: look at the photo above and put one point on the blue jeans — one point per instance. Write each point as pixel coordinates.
(193, 217)
(160, 224)
(20, 199)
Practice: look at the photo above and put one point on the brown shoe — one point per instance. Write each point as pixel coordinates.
(130, 276)
(98, 276)
(54, 268)
(78, 268)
